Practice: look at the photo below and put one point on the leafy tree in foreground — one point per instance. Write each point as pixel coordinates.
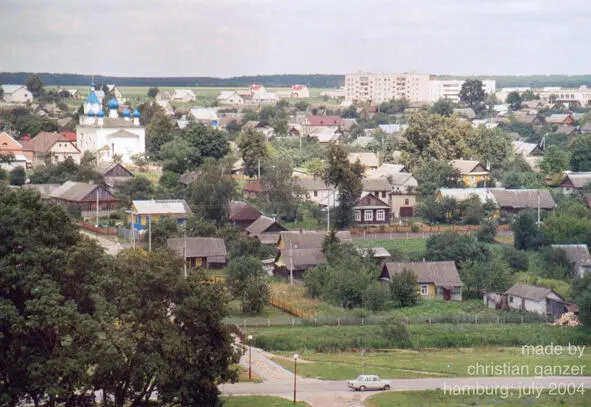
(240, 269)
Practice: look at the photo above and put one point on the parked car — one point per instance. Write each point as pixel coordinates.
(368, 382)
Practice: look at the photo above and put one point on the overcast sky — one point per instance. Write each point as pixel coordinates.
(240, 37)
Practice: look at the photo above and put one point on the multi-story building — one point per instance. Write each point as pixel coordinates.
(378, 88)
(450, 89)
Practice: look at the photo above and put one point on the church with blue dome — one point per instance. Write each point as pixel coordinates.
(109, 134)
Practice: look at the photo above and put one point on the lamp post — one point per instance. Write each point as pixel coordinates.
(295, 372)
(249, 356)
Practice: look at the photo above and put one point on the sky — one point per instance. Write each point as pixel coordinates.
(224, 38)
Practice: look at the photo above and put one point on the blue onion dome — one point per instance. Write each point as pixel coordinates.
(100, 114)
(136, 113)
(92, 99)
(113, 104)
(92, 84)
(91, 114)
(126, 113)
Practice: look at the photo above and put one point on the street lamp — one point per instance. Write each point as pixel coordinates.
(249, 356)
(295, 372)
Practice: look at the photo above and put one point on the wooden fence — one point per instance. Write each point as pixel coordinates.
(100, 231)
(290, 309)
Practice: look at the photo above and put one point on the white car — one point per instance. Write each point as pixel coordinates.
(368, 382)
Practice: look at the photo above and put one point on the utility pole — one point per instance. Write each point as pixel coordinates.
(290, 263)
(259, 169)
(150, 233)
(97, 206)
(539, 210)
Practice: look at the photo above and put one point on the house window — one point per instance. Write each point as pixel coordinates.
(511, 299)
(383, 194)
(424, 289)
(406, 201)
(368, 215)
(472, 179)
(357, 216)
(457, 290)
(315, 193)
(381, 215)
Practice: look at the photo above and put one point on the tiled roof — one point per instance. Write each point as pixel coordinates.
(324, 120)
(43, 141)
(440, 273)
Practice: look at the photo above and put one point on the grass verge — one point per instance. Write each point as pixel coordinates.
(396, 364)
(436, 398)
(409, 249)
(258, 401)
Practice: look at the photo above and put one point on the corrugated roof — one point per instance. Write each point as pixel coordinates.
(162, 207)
(465, 166)
(241, 211)
(313, 184)
(530, 292)
(73, 191)
(200, 247)
(440, 273)
(261, 225)
(369, 160)
(302, 259)
(579, 179)
(307, 239)
(523, 198)
(523, 148)
(376, 184)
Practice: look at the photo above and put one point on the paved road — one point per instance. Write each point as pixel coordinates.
(112, 247)
(279, 382)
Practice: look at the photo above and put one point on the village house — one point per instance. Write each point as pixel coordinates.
(526, 149)
(163, 95)
(403, 198)
(528, 298)
(473, 173)
(379, 187)
(144, 212)
(370, 161)
(293, 263)
(318, 191)
(242, 214)
(254, 88)
(524, 118)
(266, 230)
(230, 98)
(563, 119)
(516, 200)
(326, 135)
(380, 254)
(183, 96)
(575, 181)
(200, 252)
(300, 92)
(204, 115)
(81, 199)
(307, 239)
(370, 210)
(264, 98)
(54, 147)
(578, 256)
(252, 189)
(312, 122)
(114, 174)
(11, 148)
(260, 126)
(17, 94)
(435, 279)
(116, 92)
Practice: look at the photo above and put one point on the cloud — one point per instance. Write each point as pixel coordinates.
(237, 37)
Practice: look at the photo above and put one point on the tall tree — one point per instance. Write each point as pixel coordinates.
(580, 153)
(435, 137)
(17, 176)
(526, 232)
(35, 85)
(491, 146)
(280, 192)
(514, 100)
(433, 175)
(158, 132)
(443, 107)
(253, 149)
(210, 194)
(555, 160)
(472, 92)
(153, 91)
(347, 178)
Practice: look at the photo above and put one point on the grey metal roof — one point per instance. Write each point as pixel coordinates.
(162, 207)
(302, 259)
(240, 211)
(376, 184)
(440, 273)
(261, 225)
(307, 239)
(523, 198)
(579, 179)
(530, 292)
(73, 191)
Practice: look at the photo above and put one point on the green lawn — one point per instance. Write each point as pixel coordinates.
(423, 336)
(396, 364)
(410, 249)
(275, 315)
(437, 398)
(258, 401)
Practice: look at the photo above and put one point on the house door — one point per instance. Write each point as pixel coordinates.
(446, 294)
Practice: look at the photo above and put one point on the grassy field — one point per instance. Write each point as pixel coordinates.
(409, 249)
(423, 336)
(258, 401)
(397, 364)
(437, 398)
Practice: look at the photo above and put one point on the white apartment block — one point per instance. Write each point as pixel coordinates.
(450, 89)
(378, 88)
(581, 95)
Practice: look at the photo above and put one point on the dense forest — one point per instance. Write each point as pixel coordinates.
(313, 81)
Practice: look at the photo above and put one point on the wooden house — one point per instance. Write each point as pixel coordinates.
(242, 214)
(435, 279)
(371, 210)
(204, 252)
(82, 199)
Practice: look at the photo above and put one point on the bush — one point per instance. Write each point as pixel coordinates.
(255, 294)
(487, 231)
(376, 297)
(517, 260)
(18, 176)
(395, 331)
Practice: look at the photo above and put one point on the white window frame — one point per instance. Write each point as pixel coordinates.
(368, 215)
(424, 289)
(357, 216)
(380, 214)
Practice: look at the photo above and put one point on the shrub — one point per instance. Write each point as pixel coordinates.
(395, 331)
(255, 294)
(487, 231)
(517, 260)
